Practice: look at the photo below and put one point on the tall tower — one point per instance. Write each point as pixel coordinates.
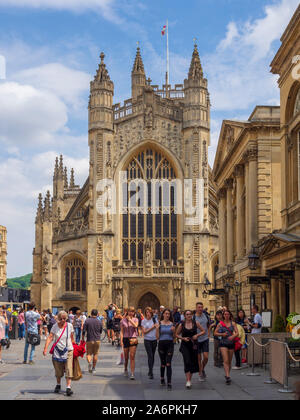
(196, 135)
(100, 144)
(138, 77)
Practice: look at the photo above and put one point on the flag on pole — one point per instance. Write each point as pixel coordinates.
(164, 30)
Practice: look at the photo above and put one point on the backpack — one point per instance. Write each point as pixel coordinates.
(110, 314)
(52, 320)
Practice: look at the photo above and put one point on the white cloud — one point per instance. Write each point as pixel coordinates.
(103, 7)
(29, 115)
(238, 71)
(68, 84)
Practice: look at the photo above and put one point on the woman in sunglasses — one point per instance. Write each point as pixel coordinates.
(62, 333)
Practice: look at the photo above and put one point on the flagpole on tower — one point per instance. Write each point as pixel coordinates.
(168, 69)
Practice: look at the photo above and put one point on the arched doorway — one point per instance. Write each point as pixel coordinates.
(149, 299)
(74, 309)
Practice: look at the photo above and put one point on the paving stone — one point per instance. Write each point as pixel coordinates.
(37, 382)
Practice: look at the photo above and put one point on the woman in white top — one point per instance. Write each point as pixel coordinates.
(3, 323)
(150, 341)
(62, 333)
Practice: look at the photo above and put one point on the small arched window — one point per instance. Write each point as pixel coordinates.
(75, 275)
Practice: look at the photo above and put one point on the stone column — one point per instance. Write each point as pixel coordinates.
(274, 298)
(297, 289)
(253, 196)
(240, 215)
(229, 185)
(222, 227)
(292, 297)
(248, 247)
(282, 298)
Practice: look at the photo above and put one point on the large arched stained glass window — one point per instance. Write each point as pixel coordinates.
(141, 224)
(75, 275)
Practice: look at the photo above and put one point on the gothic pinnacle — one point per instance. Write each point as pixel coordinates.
(56, 168)
(61, 166)
(47, 207)
(195, 71)
(39, 213)
(102, 73)
(72, 180)
(138, 66)
(66, 177)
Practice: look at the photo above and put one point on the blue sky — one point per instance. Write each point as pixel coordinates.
(52, 48)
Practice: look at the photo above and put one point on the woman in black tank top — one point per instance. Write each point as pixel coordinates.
(187, 333)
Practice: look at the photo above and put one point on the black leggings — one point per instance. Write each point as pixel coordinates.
(166, 350)
(150, 347)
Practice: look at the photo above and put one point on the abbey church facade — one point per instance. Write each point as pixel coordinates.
(86, 259)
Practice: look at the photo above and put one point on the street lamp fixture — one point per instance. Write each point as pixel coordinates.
(227, 287)
(237, 287)
(253, 259)
(206, 283)
(204, 294)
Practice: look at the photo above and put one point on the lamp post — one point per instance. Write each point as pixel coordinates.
(253, 259)
(206, 285)
(237, 290)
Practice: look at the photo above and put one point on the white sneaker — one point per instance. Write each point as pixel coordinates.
(188, 385)
(132, 377)
(236, 368)
(201, 379)
(126, 373)
(93, 371)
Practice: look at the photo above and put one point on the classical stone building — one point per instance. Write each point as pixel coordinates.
(247, 173)
(83, 258)
(3, 255)
(280, 252)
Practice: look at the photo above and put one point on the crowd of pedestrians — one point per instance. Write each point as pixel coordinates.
(161, 329)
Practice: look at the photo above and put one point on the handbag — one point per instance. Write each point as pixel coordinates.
(77, 374)
(54, 345)
(33, 339)
(236, 341)
(3, 342)
(133, 341)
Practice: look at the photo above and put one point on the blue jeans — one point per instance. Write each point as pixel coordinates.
(6, 331)
(26, 351)
(21, 330)
(77, 334)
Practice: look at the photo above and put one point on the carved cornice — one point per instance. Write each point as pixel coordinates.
(239, 171)
(251, 154)
(228, 183)
(221, 193)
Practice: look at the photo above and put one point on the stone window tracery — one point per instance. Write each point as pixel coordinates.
(160, 228)
(75, 275)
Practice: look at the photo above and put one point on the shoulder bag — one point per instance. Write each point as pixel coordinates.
(236, 341)
(54, 345)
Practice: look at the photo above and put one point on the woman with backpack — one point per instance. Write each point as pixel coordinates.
(3, 324)
(62, 333)
(150, 341)
(187, 332)
(227, 333)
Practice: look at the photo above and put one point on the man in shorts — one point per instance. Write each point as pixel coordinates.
(110, 313)
(93, 328)
(203, 340)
